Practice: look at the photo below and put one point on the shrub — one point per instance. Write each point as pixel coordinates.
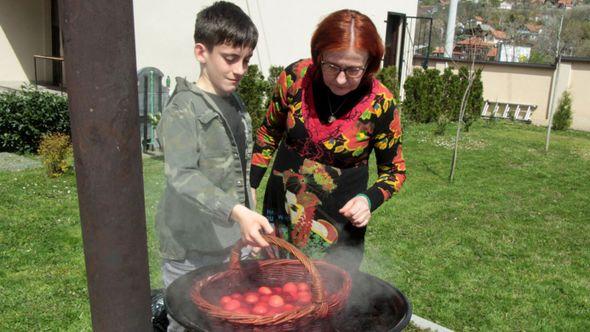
(56, 153)
(434, 97)
(252, 90)
(474, 99)
(273, 74)
(562, 119)
(452, 87)
(423, 96)
(441, 124)
(27, 114)
(388, 76)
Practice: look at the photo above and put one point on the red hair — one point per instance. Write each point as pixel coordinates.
(345, 28)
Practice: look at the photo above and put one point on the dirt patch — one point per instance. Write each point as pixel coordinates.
(13, 162)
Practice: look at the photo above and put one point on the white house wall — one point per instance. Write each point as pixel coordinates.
(25, 30)
(164, 29)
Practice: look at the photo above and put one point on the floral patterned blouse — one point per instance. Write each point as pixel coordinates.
(373, 123)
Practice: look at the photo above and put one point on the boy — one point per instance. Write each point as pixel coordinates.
(207, 139)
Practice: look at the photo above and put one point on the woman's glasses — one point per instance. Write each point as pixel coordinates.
(350, 72)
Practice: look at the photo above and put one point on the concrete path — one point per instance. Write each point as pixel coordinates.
(14, 162)
(428, 325)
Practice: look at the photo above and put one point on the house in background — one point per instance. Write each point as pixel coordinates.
(28, 28)
(506, 5)
(164, 34)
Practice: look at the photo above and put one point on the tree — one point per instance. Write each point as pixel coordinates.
(388, 76)
(252, 89)
(562, 119)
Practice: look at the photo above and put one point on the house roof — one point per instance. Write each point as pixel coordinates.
(475, 41)
(534, 27)
(441, 50)
(498, 34)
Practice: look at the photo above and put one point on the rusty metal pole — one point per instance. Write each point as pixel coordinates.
(102, 88)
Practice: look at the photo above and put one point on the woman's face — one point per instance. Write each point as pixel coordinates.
(343, 70)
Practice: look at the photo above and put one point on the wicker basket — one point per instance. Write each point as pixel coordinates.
(330, 288)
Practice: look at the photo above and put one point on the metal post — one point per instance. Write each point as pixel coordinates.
(425, 63)
(35, 67)
(554, 85)
(151, 111)
(450, 33)
(100, 51)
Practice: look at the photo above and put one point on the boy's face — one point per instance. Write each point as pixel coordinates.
(222, 68)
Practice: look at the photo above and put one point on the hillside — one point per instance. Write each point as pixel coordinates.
(528, 24)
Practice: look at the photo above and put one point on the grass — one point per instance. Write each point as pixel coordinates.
(42, 272)
(503, 248)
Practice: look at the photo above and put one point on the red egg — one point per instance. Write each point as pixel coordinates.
(276, 301)
(304, 297)
(302, 286)
(251, 297)
(224, 300)
(260, 309)
(264, 290)
(232, 305)
(242, 310)
(290, 288)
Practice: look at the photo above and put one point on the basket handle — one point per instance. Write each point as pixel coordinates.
(317, 287)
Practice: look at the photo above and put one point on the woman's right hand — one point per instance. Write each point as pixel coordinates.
(357, 210)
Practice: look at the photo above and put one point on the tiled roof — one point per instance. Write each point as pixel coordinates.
(499, 34)
(474, 41)
(533, 27)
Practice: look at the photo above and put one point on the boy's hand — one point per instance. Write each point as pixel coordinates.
(251, 224)
(357, 211)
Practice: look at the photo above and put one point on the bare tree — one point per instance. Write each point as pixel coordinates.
(460, 123)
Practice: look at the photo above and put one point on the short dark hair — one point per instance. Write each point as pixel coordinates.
(225, 23)
(342, 28)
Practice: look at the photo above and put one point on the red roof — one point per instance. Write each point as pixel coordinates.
(567, 3)
(533, 27)
(499, 34)
(475, 41)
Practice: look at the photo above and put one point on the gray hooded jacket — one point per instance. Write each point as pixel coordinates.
(204, 177)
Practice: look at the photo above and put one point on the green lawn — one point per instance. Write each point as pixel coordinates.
(503, 248)
(506, 246)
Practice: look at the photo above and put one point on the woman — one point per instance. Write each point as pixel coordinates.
(326, 116)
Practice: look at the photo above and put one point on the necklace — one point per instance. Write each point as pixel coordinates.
(332, 117)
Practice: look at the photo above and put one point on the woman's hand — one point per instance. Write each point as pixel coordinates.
(251, 225)
(357, 210)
